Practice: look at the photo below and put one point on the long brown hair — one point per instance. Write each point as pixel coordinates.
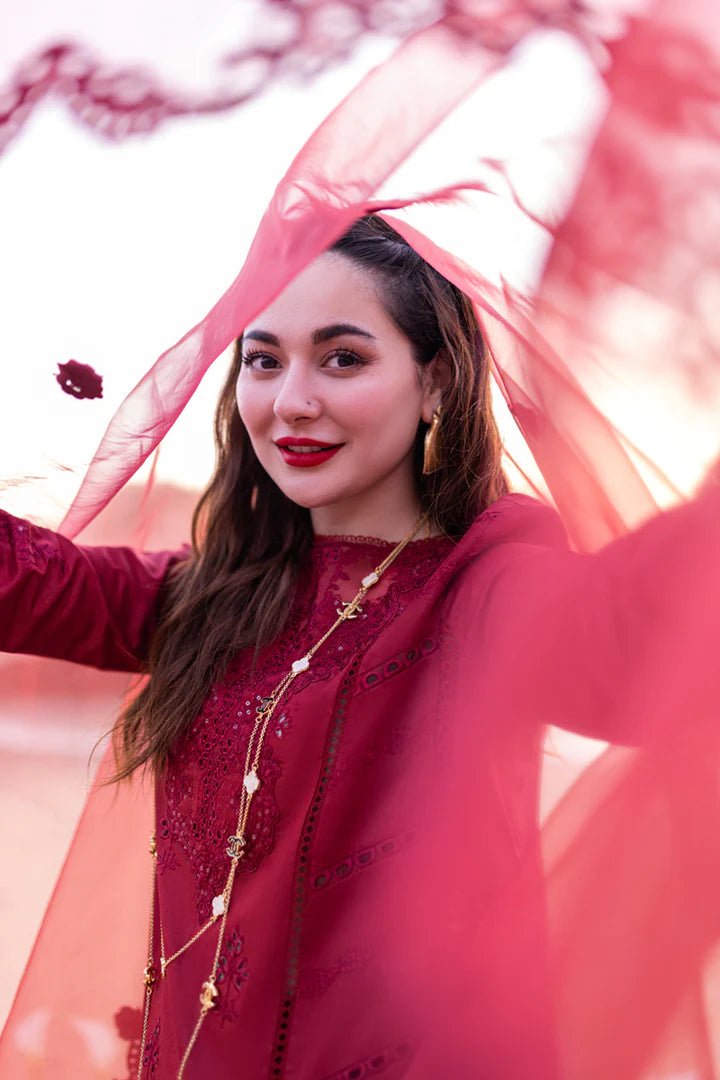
(248, 539)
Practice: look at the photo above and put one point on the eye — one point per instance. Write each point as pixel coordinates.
(259, 360)
(342, 359)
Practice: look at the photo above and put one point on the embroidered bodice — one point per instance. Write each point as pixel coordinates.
(200, 794)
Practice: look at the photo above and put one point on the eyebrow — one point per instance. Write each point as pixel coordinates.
(323, 333)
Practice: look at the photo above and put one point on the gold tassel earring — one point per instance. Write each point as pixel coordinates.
(432, 459)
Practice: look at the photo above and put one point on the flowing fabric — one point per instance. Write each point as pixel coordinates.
(125, 70)
(611, 376)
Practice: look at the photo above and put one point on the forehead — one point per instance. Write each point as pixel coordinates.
(330, 290)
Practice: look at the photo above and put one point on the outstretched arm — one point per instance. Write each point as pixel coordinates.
(620, 644)
(91, 605)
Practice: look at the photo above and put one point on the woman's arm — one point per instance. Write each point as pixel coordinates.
(620, 644)
(91, 605)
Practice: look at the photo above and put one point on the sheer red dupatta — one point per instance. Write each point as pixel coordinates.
(631, 276)
(632, 866)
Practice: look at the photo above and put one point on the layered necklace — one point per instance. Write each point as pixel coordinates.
(236, 843)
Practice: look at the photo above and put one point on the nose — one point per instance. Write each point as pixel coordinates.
(295, 398)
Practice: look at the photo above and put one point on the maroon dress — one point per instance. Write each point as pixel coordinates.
(389, 917)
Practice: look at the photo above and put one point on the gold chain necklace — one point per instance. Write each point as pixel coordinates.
(236, 843)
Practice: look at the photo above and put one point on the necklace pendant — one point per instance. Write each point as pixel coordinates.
(218, 906)
(208, 995)
(150, 976)
(301, 665)
(235, 847)
(251, 782)
(163, 967)
(349, 610)
(370, 579)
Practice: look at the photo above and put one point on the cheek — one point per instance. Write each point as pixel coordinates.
(252, 405)
(388, 417)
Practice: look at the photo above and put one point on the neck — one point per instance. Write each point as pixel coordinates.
(369, 525)
(387, 518)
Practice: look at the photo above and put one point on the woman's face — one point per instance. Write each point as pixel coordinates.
(330, 393)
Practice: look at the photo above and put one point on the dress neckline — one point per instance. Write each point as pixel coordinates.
(326, 540)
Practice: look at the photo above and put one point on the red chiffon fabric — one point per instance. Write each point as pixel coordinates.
(611, 375)
(123, 71)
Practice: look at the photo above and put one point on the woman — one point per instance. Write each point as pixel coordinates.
(349, 676)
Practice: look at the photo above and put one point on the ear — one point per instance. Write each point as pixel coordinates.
(436, 379)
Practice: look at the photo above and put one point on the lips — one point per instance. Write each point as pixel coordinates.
(304, 453)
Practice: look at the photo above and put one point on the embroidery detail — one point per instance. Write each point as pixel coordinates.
(282, 726)
(376, 1064)
(361, 860)
(203, 780)
(203, 803)
(317, 981)
(397, 664)
(232, 975)
(151, 1057)
(429, 543)
(34, 549)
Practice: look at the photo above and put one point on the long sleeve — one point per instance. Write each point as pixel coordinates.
(619, 644)
(90, 605)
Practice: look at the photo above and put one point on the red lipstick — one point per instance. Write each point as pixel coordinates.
(313, 451)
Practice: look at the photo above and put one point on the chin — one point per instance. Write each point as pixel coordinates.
(307, 495)
(308, 502)
(316, 497)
